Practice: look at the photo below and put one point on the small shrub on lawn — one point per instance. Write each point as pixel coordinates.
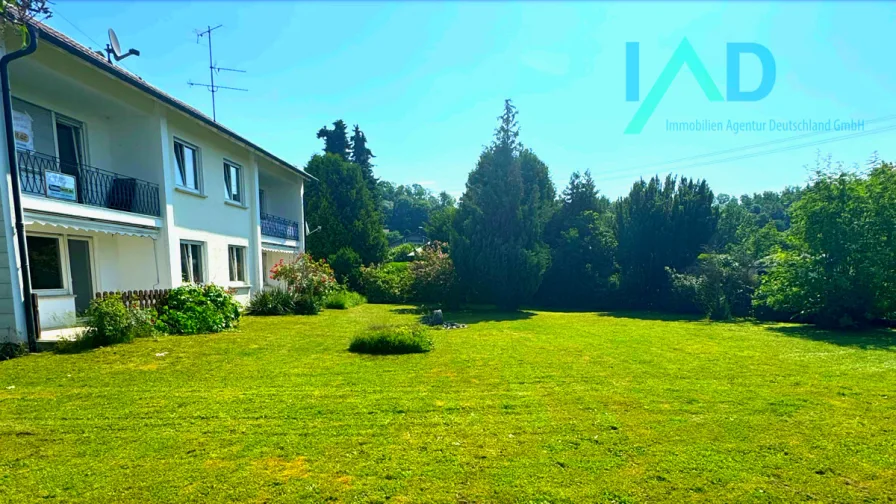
(10, 350)
(391, 340)
(110, 321)
(196, 309)
(308, 282)
(387, 283)
(344, 299)
(273, 301)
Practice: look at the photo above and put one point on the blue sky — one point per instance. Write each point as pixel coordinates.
(426, 80)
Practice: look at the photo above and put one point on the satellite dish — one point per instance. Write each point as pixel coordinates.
(113, 41)
(113, 48)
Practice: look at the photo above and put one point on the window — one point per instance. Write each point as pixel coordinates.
(233, 182)
(191, 262)
(187, 158)
(45, 261)
(237, 263)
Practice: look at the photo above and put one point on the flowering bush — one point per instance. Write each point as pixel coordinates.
(433, 276)
(309, 282)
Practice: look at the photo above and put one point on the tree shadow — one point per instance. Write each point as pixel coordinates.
(872, 339)
(469, 317)
(658, 316)
(466, 315)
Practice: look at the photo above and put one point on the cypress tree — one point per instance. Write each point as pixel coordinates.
(496, 241)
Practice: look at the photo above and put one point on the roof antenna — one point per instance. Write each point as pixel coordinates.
(113, 49)
(213, 68)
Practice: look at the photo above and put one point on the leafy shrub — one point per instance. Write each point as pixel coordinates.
(196, 309)
(308, 282)
(272, 301)
(717, 285)
(433, 278)
(10, 350)
(401, 253)
(110, 321)
(387, 283)
(346, 266)
(390, 340)
(344, 299)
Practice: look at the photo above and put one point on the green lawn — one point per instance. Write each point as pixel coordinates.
(532, 407)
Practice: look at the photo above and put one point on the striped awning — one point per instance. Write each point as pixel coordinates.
(282, 249)
(89, 225)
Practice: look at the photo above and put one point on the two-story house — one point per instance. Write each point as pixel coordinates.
(127, 188)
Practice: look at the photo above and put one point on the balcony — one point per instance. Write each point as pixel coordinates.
(89, 185)
(278, 227)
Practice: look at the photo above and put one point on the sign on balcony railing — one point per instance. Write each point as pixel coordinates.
(62, 186)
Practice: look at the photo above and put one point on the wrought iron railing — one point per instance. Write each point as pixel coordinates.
(271, 225)
(94, 186)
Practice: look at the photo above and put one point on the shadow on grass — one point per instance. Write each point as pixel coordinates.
(466, 315)
(873, 339)
(657, 316)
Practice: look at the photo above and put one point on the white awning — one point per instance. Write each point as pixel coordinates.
(90, 225)
(282, 249)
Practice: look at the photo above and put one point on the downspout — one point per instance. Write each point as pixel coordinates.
(14, 176)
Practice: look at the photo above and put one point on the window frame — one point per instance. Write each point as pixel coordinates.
(228, 196)
(63, 267)
(203, 263)
(243, 252)
(197, 162)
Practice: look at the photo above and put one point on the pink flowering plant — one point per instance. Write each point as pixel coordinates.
(308, 282)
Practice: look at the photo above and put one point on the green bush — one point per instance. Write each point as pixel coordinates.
(110, 321)
(401, 253)
(344, 299)
(387, 283)
(390, 340)
(718, 286)
(196, 309)
(10, 350)
(272, 301)
(346, 266)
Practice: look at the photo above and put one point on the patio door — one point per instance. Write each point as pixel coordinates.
(71, 153)
(81, 273)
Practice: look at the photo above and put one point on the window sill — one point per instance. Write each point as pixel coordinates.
(236, 204)
(191, 192)
(55, 293)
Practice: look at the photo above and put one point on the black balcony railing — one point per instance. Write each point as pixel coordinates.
(94, 186)
(271, 225)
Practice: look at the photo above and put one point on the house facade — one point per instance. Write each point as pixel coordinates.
(125, 188)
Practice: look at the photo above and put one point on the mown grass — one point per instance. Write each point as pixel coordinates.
(525, 407)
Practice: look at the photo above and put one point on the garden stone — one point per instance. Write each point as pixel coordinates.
(436, 318)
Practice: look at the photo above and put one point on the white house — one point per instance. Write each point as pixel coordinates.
(126, 188)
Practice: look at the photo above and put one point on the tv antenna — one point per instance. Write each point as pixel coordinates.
(213, 69)
(113, 49)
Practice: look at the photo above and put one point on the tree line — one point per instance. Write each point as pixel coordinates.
(823, 252)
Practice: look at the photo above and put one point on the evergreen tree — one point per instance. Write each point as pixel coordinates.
(661, 226)
(583, 247)
(336, 139)
(496, 241)
(341, 204)
(362, 156)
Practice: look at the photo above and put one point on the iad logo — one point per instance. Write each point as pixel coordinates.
(685, 55)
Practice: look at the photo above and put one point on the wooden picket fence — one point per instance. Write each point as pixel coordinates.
(142, 298)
